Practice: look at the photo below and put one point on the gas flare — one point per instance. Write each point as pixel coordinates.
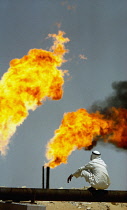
(27, 83)
(81, 129)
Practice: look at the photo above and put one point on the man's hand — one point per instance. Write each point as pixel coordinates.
(69, 178)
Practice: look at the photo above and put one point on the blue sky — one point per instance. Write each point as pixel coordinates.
(97, 30)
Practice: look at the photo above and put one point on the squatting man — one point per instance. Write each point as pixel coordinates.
(95, 172)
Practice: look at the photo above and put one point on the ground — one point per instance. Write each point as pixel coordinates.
(62, 205)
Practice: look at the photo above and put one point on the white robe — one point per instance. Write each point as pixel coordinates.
(95, 172)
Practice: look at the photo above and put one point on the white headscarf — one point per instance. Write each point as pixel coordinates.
(95, 154)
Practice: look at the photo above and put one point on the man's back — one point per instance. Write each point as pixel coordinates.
(99, 177)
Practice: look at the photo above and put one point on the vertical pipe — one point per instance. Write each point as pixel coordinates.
(47, 177)
(43, 177)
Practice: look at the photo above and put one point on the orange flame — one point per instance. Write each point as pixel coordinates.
(30, 80)
(80, 129)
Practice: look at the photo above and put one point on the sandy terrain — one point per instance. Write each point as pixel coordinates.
(62, 205)
(55, 205)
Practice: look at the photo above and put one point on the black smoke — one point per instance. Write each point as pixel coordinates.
(117, 99)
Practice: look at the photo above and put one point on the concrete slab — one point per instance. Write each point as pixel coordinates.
(20, 206)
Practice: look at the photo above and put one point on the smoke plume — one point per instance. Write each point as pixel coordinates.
(118, 99)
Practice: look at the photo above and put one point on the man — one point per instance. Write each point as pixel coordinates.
(94, 172)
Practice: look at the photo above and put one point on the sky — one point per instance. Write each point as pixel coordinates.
(97, 57)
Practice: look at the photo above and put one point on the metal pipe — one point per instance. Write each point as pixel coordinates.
(36, 194)
(43, 177)
(47, 177)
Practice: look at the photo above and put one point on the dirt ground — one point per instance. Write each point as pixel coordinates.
(56, 205)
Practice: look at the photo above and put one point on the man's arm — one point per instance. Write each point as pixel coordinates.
(89, 166)
(76, 174)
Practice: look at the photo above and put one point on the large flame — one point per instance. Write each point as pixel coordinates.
(27, 83)
(81, 130)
